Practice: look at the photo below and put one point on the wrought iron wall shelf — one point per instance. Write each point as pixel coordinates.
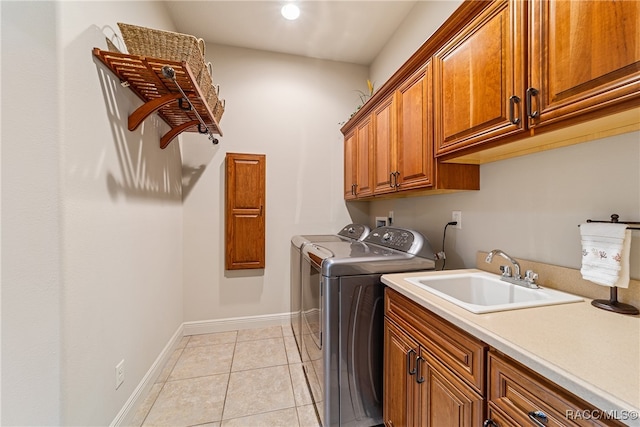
(163, 94)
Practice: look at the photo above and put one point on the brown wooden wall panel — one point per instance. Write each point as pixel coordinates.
(245, 211)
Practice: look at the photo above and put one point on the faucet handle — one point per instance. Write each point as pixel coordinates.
(530, 276)
(506, 270)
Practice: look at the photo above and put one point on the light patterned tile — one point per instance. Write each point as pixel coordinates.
(169, 365)
(183, 342)
(259, 354)
(259, 333)
(287, 331)
(285, 417)
(293, 355)
(257, 391)
(201, 361)
(300, 387)
(307, 416)
(143, 410)
(189, 402)
(213, 339)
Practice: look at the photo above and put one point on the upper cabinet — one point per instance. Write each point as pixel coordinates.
(358, 176)
(390, 150)
(403, 138)
(498, 79)
(384, 146)
(537, 73)
(415, 132)
(584, 57)
(479, 79)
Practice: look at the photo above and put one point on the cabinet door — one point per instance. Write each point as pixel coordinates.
(350, 159)
(479, 80)
(384, 146)
(584, 58)
(415, 131)
(445, 400)
(245, 219)
(400, 353)
(364, 173)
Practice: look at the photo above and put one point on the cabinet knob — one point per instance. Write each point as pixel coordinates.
(489, 423)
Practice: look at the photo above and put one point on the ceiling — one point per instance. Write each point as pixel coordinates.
(347, 31)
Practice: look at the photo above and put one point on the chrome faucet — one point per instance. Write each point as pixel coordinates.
(529, 280)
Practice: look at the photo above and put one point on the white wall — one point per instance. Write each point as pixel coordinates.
(92, 218)
(421, 22)
(528, 206)
(31, 271)
(288, 108)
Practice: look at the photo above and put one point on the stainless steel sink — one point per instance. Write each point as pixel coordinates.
(480, 292)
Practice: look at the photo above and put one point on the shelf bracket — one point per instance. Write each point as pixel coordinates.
(168, 137)
(150, 107)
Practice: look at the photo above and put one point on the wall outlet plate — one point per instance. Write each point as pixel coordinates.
(457, 216)
(119, 373)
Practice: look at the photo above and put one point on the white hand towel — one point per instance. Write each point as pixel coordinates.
(605, 253)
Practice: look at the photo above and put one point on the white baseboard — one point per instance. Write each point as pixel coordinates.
(235, 323)
(126, 414)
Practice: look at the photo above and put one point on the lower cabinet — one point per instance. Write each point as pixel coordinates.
(437, 375)
(518, 396)
(420, 389)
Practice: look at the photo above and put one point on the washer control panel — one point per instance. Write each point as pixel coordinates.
(396, 238)
(354, 231)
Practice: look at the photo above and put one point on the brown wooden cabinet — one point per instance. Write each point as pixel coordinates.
(403, 137)
(399, 381)
(433, 372)
(384, 146)
(245, 211)
(415, 132)
(520, 69)
(350, 165)
(503, 78)
(438, 375)
(517, 396)
(391, 150)
(584, 59)
(479, 79)
(358, 174)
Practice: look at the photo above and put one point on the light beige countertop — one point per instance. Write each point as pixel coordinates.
(592, 353)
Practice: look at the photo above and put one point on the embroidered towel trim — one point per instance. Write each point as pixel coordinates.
(605, 253)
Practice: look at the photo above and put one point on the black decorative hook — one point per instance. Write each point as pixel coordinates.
(182, 106)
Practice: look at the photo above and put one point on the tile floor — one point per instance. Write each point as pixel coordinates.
(241, 378)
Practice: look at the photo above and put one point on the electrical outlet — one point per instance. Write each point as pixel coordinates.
(457, 216)
(119, 373)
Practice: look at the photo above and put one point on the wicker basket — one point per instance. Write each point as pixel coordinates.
(167, 45)
(111, 47)
(219, 110)
(212, 99)
(206, 83)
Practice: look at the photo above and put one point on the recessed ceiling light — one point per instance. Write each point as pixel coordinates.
(290, 11)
